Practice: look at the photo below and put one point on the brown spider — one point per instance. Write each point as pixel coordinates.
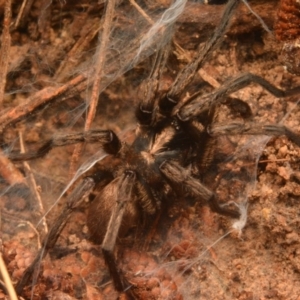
(172, 148)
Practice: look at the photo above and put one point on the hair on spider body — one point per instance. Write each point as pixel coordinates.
(185, 145)
(149, 191)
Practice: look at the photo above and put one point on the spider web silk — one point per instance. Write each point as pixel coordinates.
(141, 35)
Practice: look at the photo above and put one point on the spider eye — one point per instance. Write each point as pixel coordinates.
(129, 173)
(167, 104)
(176, 125)
(216, 2)
(114, 145)
(143, 115)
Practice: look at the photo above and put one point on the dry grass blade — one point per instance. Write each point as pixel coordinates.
(9, 172)
(109, 13)
(34, 189)
(5, 46)
(39, 98)
(6, 278)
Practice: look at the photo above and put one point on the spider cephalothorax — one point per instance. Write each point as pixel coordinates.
(160, 157)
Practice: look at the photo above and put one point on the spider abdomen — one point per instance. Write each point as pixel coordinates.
(100, 211)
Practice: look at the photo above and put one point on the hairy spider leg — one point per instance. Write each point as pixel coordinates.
(106, 138)
(178, 175)
(195, 107)
(253, 129)
(126, 182)
(74, 200)
(145, 112)
(186, 75)
(110, 143)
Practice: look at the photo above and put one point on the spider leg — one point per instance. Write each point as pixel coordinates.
(253, 129)
(123, 197)
(145, 110)
(74, 200)
(196, 106)
(179, 175)
(187, 74)
(107, 138)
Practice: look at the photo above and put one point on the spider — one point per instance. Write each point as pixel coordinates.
(172, 148)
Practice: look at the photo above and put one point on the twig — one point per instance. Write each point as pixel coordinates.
(9, 172)
(39, 98)
(2, 287)
(203, 18)
(33, 187)
(109, 12)
(273, 160)
(75, 54)
(141, 11)
(186, 75)
(6, 278)
(20, 14)
(5, 46)
(263, 24)
(208, 78)
(23, 13)
(100, 62)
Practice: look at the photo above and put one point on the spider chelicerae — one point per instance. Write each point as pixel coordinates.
(172, 148)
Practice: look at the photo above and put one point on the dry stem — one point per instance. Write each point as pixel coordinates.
(109, 12)
(5, 46)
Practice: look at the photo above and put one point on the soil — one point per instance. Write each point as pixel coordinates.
(190, 253)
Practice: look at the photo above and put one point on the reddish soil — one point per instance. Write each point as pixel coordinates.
(192, 253)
